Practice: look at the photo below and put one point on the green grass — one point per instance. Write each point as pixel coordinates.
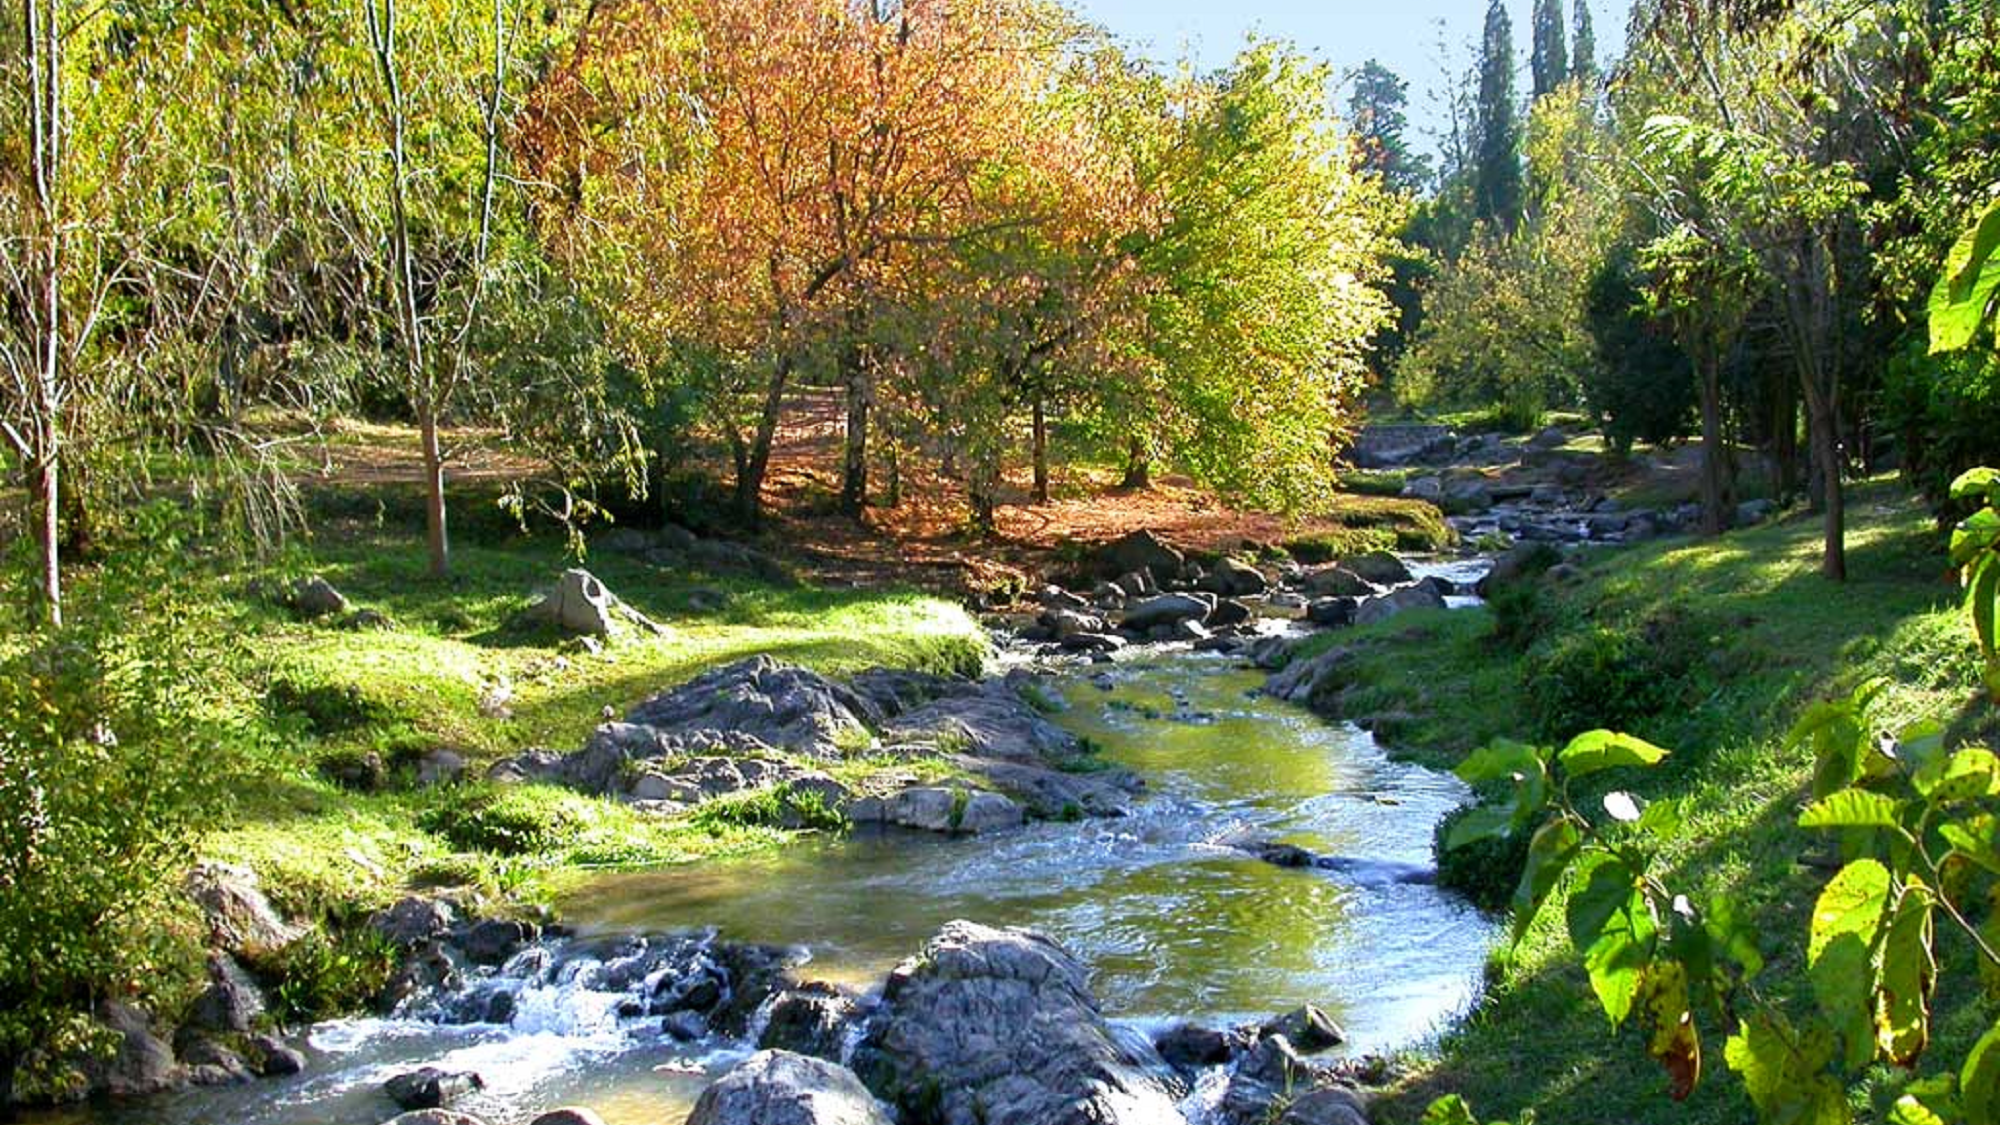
(1355, 524)
(1763, 636)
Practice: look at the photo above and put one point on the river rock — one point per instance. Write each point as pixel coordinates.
(989, 812)
(1381, 568)
(1055, 597)
(1141, 551)
(1138, 584)
(1165, 609)
(1551, 437)
(810, 1019)
(1328, 1105)
(1094, 642)
(272, 1057)
(1337, 581)
(779, 705)
(1382, 607)
(781, 1088)
(231, 1002)
(315, 597)
(1068, 623)
(431, 1088)
(1230, 612)
(208, 1063)
(998, 1027)
(1332, 613)
(414, 921)
(492, 941)
(1275, 1063)
(582, 605)
(987, 720)
(140, 1062)
(240, 919)
(569, 1115)
(1308, 1028)
(433, 1117)
(1190, 1047)
(1232, 578)
(1299, 681)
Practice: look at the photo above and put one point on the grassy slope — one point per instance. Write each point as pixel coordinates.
(400, 691)
(1771, 636)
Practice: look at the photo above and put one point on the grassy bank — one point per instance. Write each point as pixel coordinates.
(1710, 649)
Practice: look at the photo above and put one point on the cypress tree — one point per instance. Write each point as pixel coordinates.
(1497, 183)
(1549, 57)
(1583, 47)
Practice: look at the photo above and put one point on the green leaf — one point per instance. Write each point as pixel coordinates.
(1661, 818)
(1963, 298)
(1607, 886)
(1974, 837)
(1979, 1081)
(1910, 1111)
(1982, 602)
(1617, 959)
(1596, 750)
(1499, 761)
(1449, 1110)
(1976, 533)
(1840, 953)
(1969, 774)
(1850, 808)
(1483, 823)
(1549, 853)
(1902, 1017)
(1735, 935)
(1784, 1071)
(1975, 483)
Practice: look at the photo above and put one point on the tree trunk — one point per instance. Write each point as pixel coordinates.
(892, 461)
(1714, 450)
(434, 512)
(750, 481)
(43, 453)
(854, 473)
(1138, 467)
(1041, 452)
(1824, 419)
(46, 489)
(1785, 438)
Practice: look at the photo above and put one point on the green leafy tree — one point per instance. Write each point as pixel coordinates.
(1378, 113)
(1583, 48)
(1548, 58)
(1497, 129)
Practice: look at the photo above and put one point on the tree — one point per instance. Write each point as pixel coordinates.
(1377, 112)
(1497, 169)
(1583, 48)
(1548, 59)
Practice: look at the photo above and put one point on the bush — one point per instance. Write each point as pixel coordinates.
(516, 820)
(1486, 870)
(321, 976)
(121, 736)
(327, 708)
(1624, 679)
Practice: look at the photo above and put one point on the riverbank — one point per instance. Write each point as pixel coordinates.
(1711, 649)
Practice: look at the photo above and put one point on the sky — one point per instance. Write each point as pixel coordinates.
(1403, 34)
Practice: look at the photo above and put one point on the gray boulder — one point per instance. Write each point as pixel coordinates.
(1754, 512)
(998, 1027)
(989, 720)
(1165, 609)
(492, 941)
(139, 1062)
(1189, 1047)
(1382, 607)
(1228, 612)
(810, 1019)
(1551, 437)
(1275, 1063)
(781, 1088)
(1299, 681)
(1332, 613)
(240, 919)
(315, 597)
(1141, 551)
(1424, 488)
(1381, 568)
(272, 1057)
(231, 1002)
(1337, 581)
(1328, 1105)
(1232, 578)
(442, 766)
(431, 1088)
(582, 605)
(414, 921)
(1308, 1028)
(776, 704)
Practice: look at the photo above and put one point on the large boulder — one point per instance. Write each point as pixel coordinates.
(431, 1088)
(1382, 607)
(1299, 680)
(1337, 581)
(583, 605)
(1140, 551)
(998, 1027)
(762, 699)
(810, 1019)
(990, 720)
(240, 919)
(139, 1061)
(781, 1088)
(1166, 609)
(231, 1002)
(1381, 568)
(315, 597)
(1232, 578)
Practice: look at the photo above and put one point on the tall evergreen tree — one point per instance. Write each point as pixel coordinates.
(1549, 57)
(1497, 182)
(1583, 47)
(1376, 109)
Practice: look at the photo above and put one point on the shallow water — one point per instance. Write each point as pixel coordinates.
(1171, 924)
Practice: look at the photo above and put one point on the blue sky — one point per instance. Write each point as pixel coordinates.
(1344, 33)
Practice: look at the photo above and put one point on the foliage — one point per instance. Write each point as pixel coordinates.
(120, 739)
(1497, 171)
(1641, 387)
(1625, 677)
(1486, 870)
(327, 973)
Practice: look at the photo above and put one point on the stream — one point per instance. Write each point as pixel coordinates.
(1173, 924)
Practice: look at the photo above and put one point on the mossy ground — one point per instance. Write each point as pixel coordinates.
(1758, 636)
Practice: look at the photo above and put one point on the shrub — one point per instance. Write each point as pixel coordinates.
(121, 736)
(321, 976)
(1626, 679)
(327, 708)
(518, 820)
(1486, 870)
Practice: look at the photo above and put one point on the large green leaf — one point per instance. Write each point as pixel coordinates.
(1962, 302)
(1596, 750)
(1975, 483)
(1976, 533)
(1902, 1017)
(1840, 953)
(1850, 808)
(1549, 854)
(1979, 1081)
(1499, 761)
(1968, 774)
(1618, 957)
(1449, 1110)
(1607, 885)
(1784, 1071)
(1484, 822)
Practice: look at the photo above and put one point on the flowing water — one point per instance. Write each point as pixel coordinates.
(1172, 923)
